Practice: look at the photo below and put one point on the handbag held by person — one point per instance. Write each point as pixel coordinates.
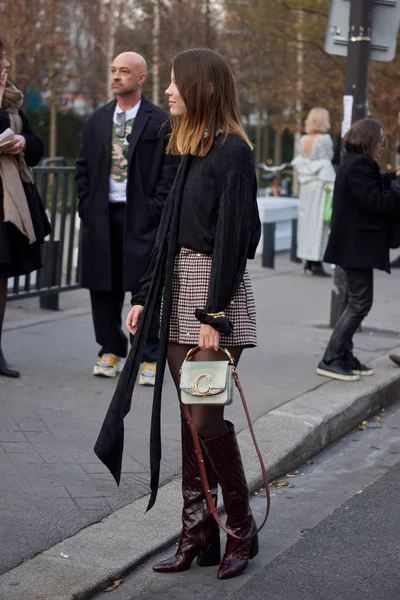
(207, 382)
(214, 383)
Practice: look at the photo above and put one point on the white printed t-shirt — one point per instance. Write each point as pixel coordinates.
(119, 155)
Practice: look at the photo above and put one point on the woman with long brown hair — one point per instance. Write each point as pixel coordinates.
(210, 227)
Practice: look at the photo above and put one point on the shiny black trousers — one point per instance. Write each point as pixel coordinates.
(357, 304)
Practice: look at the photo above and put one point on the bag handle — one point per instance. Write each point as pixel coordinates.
(193, 351)
(199, 454)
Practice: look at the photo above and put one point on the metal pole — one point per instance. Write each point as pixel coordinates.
(53, 83)
(357, 78)
(208, 24)
(156, 52)
(299, 94)
(113, 15)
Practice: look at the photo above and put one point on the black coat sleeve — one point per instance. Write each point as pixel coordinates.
(167, 175)
(82, 170)
(4, 120)
(161, 240)
(34, 145)
(235, 227)
(365, 184)
(141, 296)
(387, 179)
(163, 232)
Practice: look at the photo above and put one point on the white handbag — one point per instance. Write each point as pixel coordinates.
(207, 382)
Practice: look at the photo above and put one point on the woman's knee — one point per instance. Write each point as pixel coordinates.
(361, 307)
(205, 430)
(208, 426)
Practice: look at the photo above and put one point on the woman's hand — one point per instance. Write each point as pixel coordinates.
(3, 81)
(398, 174)
(17, 145)
(133, 318)
(208, 338)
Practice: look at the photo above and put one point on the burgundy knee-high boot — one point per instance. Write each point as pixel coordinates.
(200, 532)
(224, 454)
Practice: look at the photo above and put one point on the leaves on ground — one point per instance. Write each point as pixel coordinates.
(376, 447)
(311, 462)
(279, 483)
(293, 474)
(114, 586)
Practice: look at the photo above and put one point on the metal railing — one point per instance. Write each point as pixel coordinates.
(60, 252)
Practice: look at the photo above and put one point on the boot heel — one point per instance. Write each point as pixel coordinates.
(210, 556)
(254, 550)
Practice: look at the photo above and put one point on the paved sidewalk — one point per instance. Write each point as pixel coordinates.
(52, 484)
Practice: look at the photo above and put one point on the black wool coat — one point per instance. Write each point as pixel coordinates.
(150, 176)
(364, 209)
(41, 225)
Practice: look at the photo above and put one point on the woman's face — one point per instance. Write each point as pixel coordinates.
(177, 107)
(380, 149)
(4, 64)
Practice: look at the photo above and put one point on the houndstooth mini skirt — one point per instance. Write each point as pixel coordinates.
(189, 291)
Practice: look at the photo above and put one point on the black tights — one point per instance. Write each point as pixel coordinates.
(3, 298)
(208, 420)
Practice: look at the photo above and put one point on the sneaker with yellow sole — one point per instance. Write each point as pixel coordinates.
(148, 374)
(108, 365)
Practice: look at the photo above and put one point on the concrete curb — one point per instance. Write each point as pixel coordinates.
(84, 564)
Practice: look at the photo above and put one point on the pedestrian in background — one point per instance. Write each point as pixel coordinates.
(23, 221)
(364, 208)
(123, 177)
(209, 228)
(316, 178)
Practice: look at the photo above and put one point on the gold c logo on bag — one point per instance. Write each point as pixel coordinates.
(197, 382)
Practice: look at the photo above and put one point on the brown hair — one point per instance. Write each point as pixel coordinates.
(363, 137)
(208, 109)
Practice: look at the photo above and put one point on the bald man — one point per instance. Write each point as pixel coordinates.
(123, 177)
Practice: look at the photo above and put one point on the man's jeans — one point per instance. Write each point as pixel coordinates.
(359, 301)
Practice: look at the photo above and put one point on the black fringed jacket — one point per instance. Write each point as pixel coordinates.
(212, 208)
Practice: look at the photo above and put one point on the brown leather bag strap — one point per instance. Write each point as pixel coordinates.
(206, 486)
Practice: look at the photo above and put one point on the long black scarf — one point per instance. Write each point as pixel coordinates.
(110, 442)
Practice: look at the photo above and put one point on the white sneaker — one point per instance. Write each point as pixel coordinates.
(108, 365)
(148, 374)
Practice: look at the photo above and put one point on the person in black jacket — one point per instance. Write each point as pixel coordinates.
(23, 221)
(209, 228)
(123, 178)
(364, 207)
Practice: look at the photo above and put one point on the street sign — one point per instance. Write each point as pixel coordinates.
(385, 25)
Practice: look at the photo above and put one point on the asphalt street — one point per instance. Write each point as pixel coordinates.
(332, 535)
